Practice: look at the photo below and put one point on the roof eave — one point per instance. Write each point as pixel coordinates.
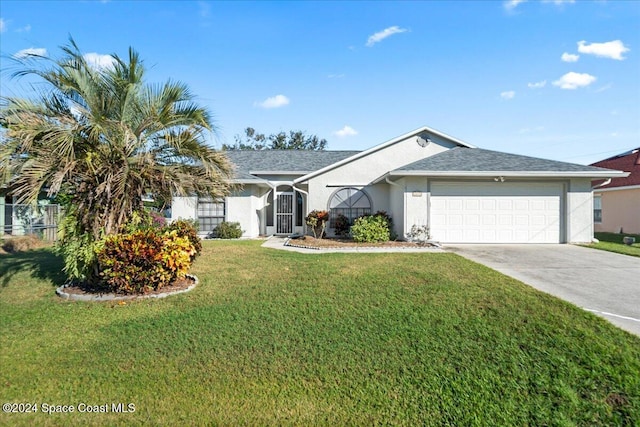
(514, 174)
(278, 172)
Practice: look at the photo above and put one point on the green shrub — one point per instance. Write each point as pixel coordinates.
(144, 219)
(227, 230)
(177, 254)
(389, 220)
(370, 228)
(77, 249)
(342, 225)
(132, 263)
(188, 229)
(144, 260)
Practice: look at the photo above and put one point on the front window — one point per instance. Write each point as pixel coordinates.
(597, 208)
(350, 202)
(210, 214)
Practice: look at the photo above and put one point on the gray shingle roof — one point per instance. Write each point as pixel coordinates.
(283, 160)
(461, 159)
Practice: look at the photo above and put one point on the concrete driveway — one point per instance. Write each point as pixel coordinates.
(605, 283)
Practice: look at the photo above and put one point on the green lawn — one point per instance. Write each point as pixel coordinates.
(612, 242)
(279, 338)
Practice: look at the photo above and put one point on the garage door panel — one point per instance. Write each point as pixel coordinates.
(471, 204)
(472, 220)
(496, 213)
(489, 219)
(505, 220)
(538, 220)
(521, 205)
(488, 205)
(538, 205)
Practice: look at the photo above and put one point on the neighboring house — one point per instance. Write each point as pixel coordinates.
(616, 202)
(462, 193)
(40, 217)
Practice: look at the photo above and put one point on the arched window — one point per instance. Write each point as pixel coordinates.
(350, 202)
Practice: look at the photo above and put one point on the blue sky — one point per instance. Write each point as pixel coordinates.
(557, 79)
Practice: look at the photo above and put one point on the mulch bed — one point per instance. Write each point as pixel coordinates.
(178, 285)
(335, 243)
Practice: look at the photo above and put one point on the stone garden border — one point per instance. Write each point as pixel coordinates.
(60, 291)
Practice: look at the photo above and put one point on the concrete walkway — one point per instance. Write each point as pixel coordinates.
(605, 283)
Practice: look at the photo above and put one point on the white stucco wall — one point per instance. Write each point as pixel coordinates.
(416, 201)
(184, 208)
(241, 209)
(579, 211)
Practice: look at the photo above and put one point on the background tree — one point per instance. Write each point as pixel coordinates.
(105, 138)
(294, 140)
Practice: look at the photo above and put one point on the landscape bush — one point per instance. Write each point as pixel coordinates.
(144, 260)
(389, 220)
(77, 249)
(188, 229)
(342, 225)
(370, 229)
(317, 220)
(227, 230)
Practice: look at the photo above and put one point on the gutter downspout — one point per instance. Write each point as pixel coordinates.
(606, 182)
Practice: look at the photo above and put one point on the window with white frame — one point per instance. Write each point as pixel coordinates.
(210, 214)
(597, 208)
(350, 202)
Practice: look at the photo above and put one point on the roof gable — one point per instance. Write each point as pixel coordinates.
(477, 161)
(422, 131)
(628, 162)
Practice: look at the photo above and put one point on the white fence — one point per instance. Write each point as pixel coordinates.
(20, 220)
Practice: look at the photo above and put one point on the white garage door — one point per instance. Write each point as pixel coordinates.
(496, 212)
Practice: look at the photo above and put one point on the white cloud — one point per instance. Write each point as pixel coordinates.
(569, 57)
(345, 131)
(3, 25)
(507, 94)
(335, 76)
(24, 29)
(97, 60)
(574, 80)
(512, 4)
(32, 51)
(381, 35)
(273, 102)
(537, 85)
(613, 49)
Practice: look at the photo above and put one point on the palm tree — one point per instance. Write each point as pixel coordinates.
(104, 137)
(107, 138)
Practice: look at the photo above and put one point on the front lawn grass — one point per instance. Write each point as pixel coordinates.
(612, 242)
(279, 338)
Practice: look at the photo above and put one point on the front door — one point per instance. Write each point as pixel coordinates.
(284, 213)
